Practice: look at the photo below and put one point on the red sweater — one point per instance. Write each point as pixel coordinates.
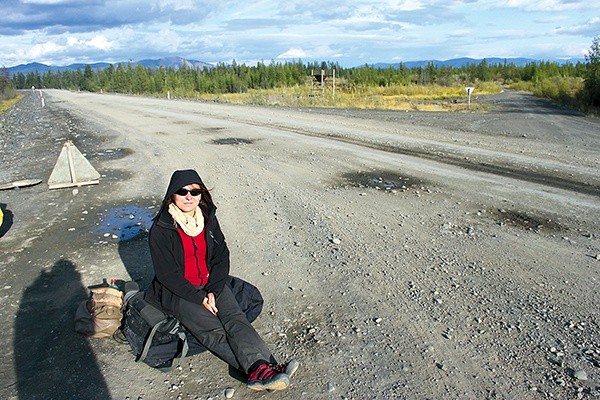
(194, 257)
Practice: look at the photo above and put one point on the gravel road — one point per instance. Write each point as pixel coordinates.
(401, 255)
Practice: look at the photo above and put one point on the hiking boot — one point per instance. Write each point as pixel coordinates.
(265, 377)
(289, 369)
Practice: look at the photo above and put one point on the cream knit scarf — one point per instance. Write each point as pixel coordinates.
(192, 226)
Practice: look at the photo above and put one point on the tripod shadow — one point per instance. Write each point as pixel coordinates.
(52, 361)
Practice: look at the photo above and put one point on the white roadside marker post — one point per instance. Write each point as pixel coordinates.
(469, 90)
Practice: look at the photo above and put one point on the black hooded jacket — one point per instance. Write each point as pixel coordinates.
(166, 249)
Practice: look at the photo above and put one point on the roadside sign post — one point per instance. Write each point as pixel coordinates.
(469, 90)
(323, 80)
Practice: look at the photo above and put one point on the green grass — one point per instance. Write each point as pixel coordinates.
(6, 104)
(398, 97)
(567, 91)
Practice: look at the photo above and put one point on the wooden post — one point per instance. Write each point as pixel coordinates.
(333, 92)
(71, 164)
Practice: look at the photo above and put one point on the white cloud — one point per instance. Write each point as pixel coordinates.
(590, 27)
(72, 48)
(97, 42)
(166, 39)
(351, 32)
(460, 33)
(293, 53)
(46, 2)
(40, 51)
(407, 5)
(320, 52)
(546, 5)
(100, 42)
(177, 5)
(72, 41)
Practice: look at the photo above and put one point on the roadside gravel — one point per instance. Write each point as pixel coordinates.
(401, 255)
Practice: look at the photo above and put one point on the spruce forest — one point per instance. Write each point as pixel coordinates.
(575, 85)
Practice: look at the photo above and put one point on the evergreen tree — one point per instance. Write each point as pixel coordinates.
(483, 71)
(7, 91)
(88, 79)
(33, 79)
(592, 77)
(19, 80)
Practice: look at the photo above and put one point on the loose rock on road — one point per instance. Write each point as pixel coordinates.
(401, 255)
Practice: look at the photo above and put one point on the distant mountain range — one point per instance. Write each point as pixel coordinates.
(464, 61)
(179, 62)
(167, 62)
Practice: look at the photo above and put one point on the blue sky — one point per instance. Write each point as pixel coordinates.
(61, 32)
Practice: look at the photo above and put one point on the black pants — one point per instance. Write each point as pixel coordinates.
(228, 335)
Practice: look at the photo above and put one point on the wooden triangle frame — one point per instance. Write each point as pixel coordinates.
(72, 169)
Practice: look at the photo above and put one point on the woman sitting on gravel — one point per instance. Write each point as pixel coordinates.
(191, 265)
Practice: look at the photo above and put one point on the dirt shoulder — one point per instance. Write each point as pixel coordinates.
(400, 255)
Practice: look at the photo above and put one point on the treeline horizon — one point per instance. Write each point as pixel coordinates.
(239, 78)
(574, 84)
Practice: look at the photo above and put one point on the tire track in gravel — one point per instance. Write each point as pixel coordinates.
(530, 169)
(457, 160)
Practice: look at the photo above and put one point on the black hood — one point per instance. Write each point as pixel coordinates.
(179, 179)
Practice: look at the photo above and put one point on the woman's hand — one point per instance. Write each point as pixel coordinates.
(209, 303)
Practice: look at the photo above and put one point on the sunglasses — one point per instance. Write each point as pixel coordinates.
(183, 192)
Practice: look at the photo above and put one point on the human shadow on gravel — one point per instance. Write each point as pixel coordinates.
(135, 254)
(52, 361)
(7, 220)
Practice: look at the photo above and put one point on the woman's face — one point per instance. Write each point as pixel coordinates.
(186, 202)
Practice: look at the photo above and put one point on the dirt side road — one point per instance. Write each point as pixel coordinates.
(401, 255)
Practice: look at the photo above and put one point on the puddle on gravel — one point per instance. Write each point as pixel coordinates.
(386, 180)
(526, 221)
(233, 141)
(125, 223)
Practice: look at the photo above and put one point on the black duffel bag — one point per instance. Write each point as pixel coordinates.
(157, 338)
